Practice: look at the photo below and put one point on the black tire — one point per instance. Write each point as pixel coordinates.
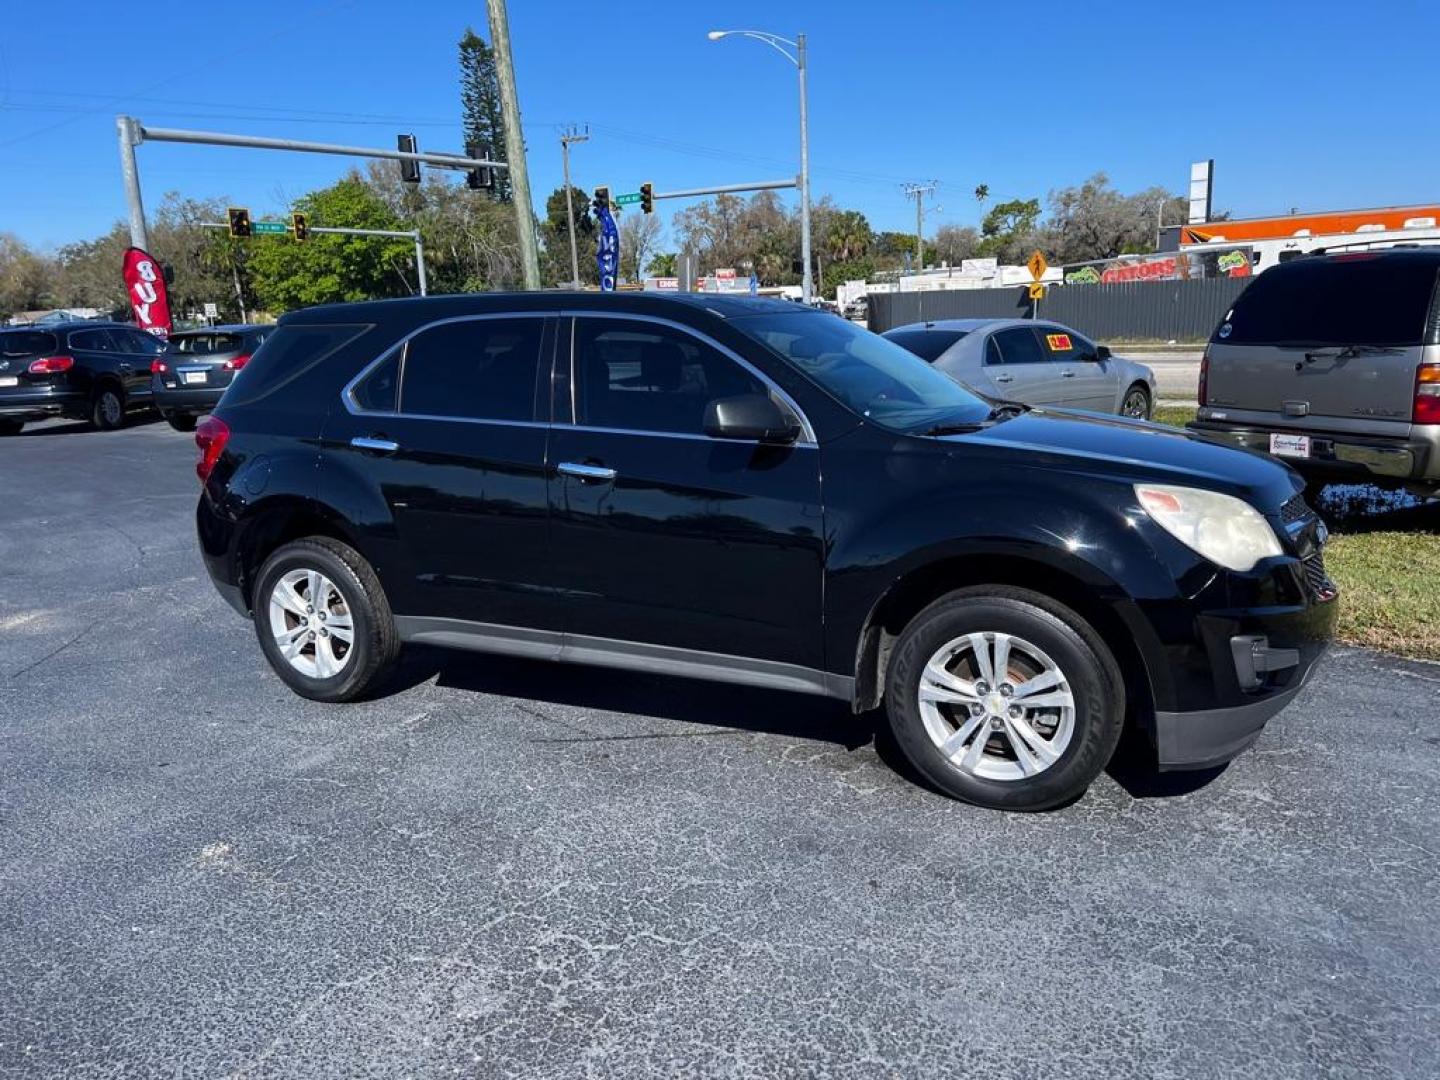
(11, 427)
(181, 421)
(1097, 689)
(1139, 397)
(376, 643)
(107, 409)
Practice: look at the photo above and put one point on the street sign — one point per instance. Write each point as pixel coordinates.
(212, 310)
(630, 198)
(1037, 265)
(1037, 291)
(269, 227)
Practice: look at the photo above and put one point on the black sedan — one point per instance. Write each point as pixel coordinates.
(197, 366)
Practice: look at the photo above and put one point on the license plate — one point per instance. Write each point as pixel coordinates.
(1290, 445)
(192, 377)
(9, 380)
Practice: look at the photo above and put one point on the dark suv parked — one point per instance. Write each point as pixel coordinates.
(94, 371)
(751, 492)
(197, 367)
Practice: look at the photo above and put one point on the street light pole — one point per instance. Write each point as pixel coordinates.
(571, 136)
(807, 280)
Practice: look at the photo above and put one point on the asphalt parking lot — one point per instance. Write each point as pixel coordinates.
(507, 868)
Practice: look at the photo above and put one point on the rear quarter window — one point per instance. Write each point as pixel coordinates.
(286, 355)
(1361, 300)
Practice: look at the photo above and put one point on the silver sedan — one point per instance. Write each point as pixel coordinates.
(1039, 363)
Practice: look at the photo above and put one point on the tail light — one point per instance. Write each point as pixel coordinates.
(211, 435)
(51, 365)
(238, 362)
(1427, 394)
(158, 367)
(1204, 388)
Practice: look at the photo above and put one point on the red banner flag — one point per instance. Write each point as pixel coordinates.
(145, 285)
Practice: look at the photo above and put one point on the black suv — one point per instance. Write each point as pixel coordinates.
(96, 371)
(748, 491)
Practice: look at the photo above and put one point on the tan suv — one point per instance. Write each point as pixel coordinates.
(1333, 364)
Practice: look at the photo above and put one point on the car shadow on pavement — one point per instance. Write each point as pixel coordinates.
(80, 427)
(667, 697)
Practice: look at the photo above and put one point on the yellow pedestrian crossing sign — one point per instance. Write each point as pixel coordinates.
(1037, 265)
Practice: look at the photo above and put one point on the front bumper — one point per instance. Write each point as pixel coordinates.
(1335, 454)
(1210, 737)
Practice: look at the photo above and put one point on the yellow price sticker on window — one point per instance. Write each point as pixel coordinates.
(1058, 342)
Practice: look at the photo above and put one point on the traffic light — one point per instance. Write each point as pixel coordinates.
(300, 226)
(601, 202)
(647, 198)
(482, 178)
(239, 221)
(409, 170)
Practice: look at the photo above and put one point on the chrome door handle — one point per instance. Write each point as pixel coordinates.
(1004, 378)
(1067, 374)
(380, 446)
(586, 472)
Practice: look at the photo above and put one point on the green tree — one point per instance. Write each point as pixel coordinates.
(327, 268)
(1094, 221)
(1008, 231)
(555, 235)
(480, 103)
(662, 265)
(28, 280)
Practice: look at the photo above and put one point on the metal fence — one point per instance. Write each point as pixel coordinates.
(1129, 311)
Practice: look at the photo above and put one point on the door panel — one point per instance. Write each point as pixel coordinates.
(452, 485)
(665, 536)
(1022, 372)
(1085, 384)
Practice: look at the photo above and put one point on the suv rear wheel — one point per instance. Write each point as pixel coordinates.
(1004, 698)
(107, 409)
(323, 620)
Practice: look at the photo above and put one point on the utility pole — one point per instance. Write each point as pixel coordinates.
(514, 143)
(568, 136)
(139, 237)
(918, 193)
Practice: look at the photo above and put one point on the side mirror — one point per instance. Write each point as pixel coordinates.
(1102, 352)
(752, 417)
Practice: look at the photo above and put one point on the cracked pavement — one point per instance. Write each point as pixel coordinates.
(506, 868)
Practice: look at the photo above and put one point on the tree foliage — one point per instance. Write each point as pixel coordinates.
(483, 122)
(639, 238)
(555, 233)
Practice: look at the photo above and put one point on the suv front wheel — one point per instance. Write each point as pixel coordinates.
(323, 620)
(1004, 698)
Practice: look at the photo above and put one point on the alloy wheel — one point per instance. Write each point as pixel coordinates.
(311, 623)
(996, 706)
(1137, 405)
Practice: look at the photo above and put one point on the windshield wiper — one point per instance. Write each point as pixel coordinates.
(1007, 409)
(954, 429)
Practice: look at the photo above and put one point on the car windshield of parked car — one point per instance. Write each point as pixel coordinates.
(27, 343)
(204, 344)
(926, 344)
(874, 377)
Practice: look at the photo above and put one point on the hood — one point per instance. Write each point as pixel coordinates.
(1113, 446)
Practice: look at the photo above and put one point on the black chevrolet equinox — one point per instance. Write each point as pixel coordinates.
(753, 492)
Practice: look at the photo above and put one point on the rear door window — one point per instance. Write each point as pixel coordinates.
(94, 341)
(1018, 345)
(474, 369)
(1058, 343)
(1346, 300)
(926, 344)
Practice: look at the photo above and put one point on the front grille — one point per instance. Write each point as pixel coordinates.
(1321, 587)
(1295, 510)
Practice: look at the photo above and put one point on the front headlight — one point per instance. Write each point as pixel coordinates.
(1224, 529)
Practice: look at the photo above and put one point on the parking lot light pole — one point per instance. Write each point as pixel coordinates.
(807, 286)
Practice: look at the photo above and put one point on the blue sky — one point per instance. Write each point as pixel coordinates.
(1313, 105)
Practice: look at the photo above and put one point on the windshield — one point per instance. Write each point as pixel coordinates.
(874, 377)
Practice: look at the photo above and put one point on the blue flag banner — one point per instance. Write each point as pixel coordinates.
(607, 255)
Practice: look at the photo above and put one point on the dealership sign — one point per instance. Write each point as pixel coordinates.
(145, 285)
